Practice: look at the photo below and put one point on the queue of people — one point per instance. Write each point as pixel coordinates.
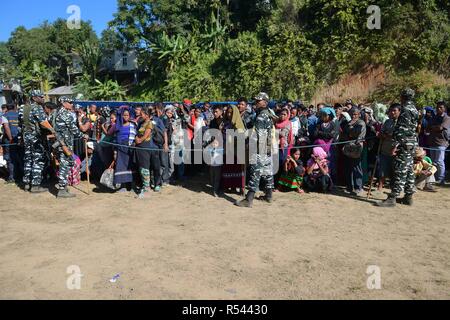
(151, 146)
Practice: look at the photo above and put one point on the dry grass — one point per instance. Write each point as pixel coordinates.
(354, 86)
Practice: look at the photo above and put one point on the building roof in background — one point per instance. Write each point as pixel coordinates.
(62, 91)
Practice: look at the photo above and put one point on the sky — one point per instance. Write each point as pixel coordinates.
(31, 13)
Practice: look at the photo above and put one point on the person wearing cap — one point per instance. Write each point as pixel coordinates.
(66, 130)
(261, 166)
(32, 120)
(405, 144)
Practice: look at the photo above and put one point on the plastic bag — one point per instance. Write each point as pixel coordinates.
(353, 150)
(107, 179)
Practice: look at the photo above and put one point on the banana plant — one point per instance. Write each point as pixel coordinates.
(108, 90)
(214, 33)
(174, 50)
(37, 75)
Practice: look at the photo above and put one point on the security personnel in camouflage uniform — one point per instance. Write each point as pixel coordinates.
(33, 119)
(66, 130)
(405, 137)
(261, 164)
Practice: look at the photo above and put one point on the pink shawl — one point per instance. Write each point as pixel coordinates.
(319, 153)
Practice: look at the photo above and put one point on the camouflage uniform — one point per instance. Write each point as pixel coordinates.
(66, 130)
(405, 136)
(261, 166)
(405, 143)
(35, 152)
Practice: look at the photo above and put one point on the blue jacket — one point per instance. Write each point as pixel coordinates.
(13, 119)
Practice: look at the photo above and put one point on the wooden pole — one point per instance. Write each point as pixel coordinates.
(369, 193)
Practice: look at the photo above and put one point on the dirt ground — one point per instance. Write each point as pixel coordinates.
(185, 244)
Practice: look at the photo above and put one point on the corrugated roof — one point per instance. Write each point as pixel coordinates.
(62, 91)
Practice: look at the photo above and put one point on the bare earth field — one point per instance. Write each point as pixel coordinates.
(184, 244)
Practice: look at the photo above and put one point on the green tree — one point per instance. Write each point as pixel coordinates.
(49, 44)
(91, 58)
(8, 67)
(31, 45)
(37, 76)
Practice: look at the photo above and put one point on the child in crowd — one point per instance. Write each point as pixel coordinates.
(317, 172)
(424, 171)
(215, 168)
(291, 177)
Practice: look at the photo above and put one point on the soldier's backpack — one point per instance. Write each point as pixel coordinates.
(27, 126)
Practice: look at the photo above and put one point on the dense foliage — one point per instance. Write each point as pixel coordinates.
(223, 49)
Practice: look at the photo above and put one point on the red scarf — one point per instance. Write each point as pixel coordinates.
(289, 140)
(190, 132)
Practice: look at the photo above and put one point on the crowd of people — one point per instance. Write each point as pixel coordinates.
(148, 147)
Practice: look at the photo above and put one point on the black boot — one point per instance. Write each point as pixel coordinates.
(65, 194)
(38, 189)
(390, 202)
(408, 200)
(248, 201)
(268, 197)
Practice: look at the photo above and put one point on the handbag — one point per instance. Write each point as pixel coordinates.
(107, 179)
(353, 150)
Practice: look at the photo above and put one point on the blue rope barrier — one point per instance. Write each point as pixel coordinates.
(118, 104)
(9, 145)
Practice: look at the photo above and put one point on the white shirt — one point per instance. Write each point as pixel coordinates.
(216, 157)
(295, 126)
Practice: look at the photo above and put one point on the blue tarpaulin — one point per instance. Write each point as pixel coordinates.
(118, 104)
